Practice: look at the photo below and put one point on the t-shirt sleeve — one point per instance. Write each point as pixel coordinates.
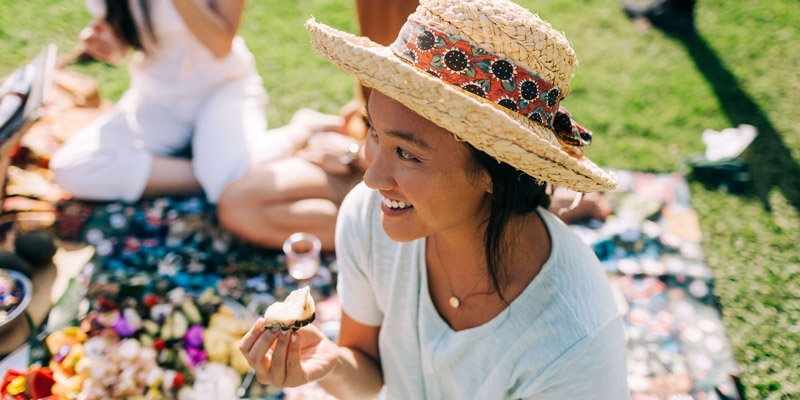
(355, 288)
(594, 368)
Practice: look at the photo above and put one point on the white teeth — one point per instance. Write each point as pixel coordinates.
(395, 204)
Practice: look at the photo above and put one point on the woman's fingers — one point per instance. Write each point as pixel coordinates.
(294, 374)
(257, 356)
(274, 354)
(249, 339)
(262, 345)
(278, 368)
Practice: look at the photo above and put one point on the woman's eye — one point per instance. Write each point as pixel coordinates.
(405, 155)
(371, 130)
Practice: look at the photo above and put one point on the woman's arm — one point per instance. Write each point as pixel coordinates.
(214, 26)
(357, 373)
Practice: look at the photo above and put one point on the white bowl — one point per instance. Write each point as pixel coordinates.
(27, 294)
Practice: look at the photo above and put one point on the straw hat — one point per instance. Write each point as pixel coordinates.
(490, 72)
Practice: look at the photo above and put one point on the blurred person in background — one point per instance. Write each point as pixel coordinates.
(193, 117)
(301, 193)
(675, 17)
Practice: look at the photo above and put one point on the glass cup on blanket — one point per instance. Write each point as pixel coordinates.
(302, 255)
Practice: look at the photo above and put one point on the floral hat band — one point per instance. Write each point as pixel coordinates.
(489, 77)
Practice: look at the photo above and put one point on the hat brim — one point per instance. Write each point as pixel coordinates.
(506, 136)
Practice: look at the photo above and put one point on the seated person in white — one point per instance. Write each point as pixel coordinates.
(194, 88)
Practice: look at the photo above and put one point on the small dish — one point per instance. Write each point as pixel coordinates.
(27, 293)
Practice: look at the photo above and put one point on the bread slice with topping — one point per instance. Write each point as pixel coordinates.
(295, 312)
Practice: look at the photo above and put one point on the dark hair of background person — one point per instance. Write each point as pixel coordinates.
(119, 16)
(513, 193)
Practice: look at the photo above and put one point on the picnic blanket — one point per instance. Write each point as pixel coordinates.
(651, 247)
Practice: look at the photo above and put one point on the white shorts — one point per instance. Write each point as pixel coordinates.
(226, 132)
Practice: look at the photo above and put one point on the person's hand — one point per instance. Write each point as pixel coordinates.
(306, 122)
(355, 117)
(286, 358)
(332, 152)
(100, 42)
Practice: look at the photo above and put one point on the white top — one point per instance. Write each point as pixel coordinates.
(178, 65)
(562, 338)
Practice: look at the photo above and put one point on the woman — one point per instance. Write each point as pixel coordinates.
(455, 281)
(194, 90)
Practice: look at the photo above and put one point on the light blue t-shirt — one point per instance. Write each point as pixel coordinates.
(562, 338)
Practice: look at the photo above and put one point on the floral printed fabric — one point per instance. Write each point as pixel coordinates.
(487, 76)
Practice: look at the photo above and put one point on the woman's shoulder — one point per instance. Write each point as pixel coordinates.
(578, 276)
(359, 205)
(358, 223)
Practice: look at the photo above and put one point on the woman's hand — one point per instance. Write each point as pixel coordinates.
(100, 42)
(333, 152)
(286, 358)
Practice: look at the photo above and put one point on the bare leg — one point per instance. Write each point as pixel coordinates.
(270, 224)
(381, 22)
(171, 175)
(283, 197)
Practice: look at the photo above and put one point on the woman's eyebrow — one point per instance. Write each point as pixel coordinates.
(411, 138)
(406, 136)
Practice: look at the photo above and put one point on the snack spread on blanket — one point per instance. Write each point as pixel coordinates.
(293, 313)
(176, 346)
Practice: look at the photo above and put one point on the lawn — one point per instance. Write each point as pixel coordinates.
(647, 96)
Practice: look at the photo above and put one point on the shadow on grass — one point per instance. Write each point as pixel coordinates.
(770, 161)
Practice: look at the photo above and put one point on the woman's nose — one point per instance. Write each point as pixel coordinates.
(379, 173)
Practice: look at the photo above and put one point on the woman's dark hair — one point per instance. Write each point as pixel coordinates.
(513, 193)
(120, 17)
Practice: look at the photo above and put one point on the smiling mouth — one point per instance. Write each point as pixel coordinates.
(396, 205)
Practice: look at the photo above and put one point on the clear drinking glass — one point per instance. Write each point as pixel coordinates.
(302, 255)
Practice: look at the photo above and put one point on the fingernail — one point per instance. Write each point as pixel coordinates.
(284, 332)
(294, 338)
(274, 329)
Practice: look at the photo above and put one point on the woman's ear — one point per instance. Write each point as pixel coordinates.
(485, 182)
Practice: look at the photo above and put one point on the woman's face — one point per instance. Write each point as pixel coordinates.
(419, 169)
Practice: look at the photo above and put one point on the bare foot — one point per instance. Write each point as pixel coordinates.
(591, 206)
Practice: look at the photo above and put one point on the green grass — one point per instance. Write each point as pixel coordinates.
(647, 96)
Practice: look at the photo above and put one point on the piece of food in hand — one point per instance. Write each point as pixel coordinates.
(293, 313)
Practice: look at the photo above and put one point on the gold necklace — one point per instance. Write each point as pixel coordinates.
(454, 301)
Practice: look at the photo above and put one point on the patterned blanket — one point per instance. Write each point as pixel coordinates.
(651, 247)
